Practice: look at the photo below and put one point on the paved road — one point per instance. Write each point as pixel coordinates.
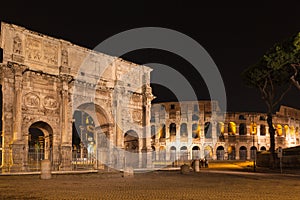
(207, 184)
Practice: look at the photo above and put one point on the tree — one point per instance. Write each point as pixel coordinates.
(272, 76)
(286, 55)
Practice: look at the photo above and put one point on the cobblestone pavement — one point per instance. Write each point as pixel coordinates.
(206, 184)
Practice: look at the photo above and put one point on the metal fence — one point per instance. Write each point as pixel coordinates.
(34, 159)
(232, 156)
(83, 160)
(170, 159)
(80, 161)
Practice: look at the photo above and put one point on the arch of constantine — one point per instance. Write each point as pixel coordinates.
(69, 104)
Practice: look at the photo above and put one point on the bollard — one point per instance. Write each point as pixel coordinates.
(45, 169)
(185, 169)
(196, 165)
(128, 172)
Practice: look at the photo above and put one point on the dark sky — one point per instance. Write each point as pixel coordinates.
(235, 35)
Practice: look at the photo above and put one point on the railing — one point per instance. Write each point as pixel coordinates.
(170, 159)
(31, 161)
(34, 160)
(82, 161)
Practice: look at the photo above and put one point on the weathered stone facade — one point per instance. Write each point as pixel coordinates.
(45, 80)
(189, 130)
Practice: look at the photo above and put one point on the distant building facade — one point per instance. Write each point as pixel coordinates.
(190, 130)
(69, 104)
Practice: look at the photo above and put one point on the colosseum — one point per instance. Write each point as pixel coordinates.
(196, 130)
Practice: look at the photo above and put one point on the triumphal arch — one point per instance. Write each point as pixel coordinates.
(69, 104)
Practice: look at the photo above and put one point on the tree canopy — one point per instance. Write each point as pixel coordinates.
(273, 75)
(285, 56)
(275, 71)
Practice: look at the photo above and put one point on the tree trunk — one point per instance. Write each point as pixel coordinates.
(272, 141)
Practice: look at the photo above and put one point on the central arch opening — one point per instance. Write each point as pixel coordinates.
(90, 137)
(83, 136)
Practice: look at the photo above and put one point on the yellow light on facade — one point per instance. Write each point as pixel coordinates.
(292, 131)
(253, 128)
(198, 129)
(222, 128)
(229, 150)
(279, 130)
(232, 127)
(286, 130)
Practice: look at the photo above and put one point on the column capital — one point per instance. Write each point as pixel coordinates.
(66, 78)
(17, 68)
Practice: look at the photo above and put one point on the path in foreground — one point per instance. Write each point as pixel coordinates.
(154, 185)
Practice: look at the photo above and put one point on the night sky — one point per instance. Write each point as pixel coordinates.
(235, 35)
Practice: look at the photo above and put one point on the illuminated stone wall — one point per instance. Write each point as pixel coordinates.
(230, 136)
(44, 80)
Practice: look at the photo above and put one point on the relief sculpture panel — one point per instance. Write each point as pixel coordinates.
(137, 116)
(64, 57)
(50, 103)
(33, 49)
(50, 53)
(31, 100)
(17, 45)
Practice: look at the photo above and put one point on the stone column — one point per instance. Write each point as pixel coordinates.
(141, 151)
(7, 116)
(17, 147)
(100, 147)
(147, 98)
(109, 137)
(249, 152)
(237, 153)
(214, 132)
(17, 124)
(202, 130)
(226, 151)
(118, 129)
(66, 137)
(189, 131)
(178, 130)
(119, 91)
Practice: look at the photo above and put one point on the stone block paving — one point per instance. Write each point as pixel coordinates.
(206, 184)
